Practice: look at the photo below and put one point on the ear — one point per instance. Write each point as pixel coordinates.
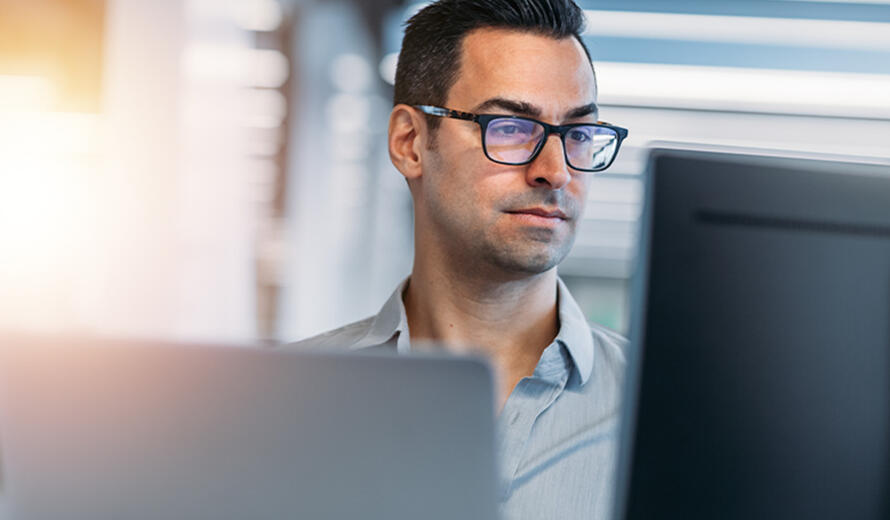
(407, 140)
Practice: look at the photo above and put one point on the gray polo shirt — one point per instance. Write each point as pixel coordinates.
(557, 431)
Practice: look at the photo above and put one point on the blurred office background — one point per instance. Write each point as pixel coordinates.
(217, 169)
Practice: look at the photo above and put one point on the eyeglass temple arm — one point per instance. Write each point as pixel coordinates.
(445, 112)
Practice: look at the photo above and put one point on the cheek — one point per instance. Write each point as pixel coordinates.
(466, 187)
(578, 190)
(494, 189)
(453, 198)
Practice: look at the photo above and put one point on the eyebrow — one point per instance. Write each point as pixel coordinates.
(582, 111)
(527, 109)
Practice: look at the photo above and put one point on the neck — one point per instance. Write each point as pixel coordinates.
(509, 320)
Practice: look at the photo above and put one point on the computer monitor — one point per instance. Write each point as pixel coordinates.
(758, 381)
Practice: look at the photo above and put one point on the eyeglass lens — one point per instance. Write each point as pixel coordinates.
(513, 141)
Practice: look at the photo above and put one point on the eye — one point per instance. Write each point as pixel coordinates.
(514, 128)
(579, 135)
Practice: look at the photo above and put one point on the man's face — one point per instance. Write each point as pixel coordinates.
(520, 219)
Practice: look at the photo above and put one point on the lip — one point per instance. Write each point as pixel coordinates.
(554, 213)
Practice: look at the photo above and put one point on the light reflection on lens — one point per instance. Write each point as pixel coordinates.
(594, 151)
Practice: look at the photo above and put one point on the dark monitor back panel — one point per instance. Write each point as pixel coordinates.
(763, 381)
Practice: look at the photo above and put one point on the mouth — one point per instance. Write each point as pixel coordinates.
(548, 213)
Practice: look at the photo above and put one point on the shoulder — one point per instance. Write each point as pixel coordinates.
(610, 358)
(342, 338)
(610, 342)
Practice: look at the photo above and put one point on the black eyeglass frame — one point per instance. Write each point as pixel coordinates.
(484, 119)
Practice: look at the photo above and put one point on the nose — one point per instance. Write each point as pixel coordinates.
(549, 168)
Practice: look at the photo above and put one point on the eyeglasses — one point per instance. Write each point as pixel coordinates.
(516, 140)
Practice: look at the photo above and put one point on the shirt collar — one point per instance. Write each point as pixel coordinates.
(574, 332)
(390, 326)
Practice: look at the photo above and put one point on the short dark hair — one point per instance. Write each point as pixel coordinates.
(430, 56)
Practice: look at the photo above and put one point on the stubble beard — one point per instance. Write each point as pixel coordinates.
(534, 252)
(472, 246)
(530, 250)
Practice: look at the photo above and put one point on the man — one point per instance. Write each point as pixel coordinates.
(496, 203)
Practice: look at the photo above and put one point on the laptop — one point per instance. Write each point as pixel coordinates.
(758, 380)
(104, 429)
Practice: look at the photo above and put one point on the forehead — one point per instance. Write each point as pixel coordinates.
(552, 74)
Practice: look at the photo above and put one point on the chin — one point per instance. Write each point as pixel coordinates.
(530, 262)
(523, 255)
